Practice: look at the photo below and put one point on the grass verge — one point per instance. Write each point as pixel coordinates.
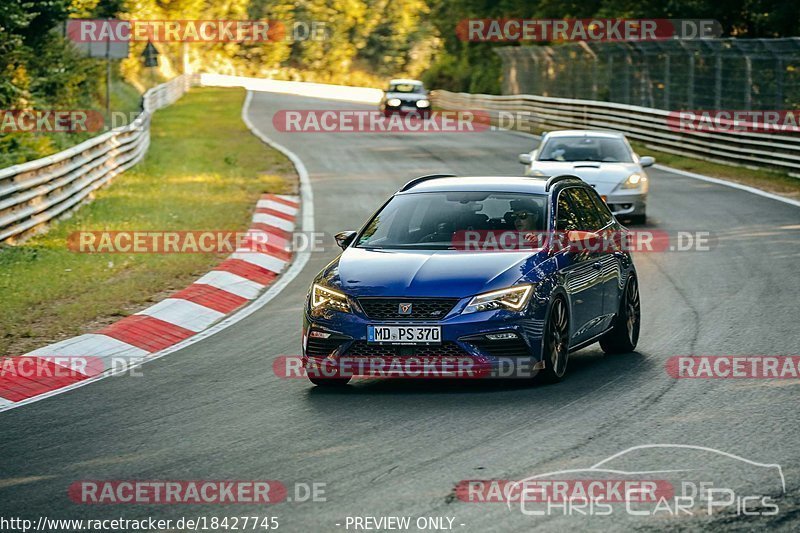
(771, 181)
(204, 171)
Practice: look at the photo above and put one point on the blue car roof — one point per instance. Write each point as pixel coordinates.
(521, 184)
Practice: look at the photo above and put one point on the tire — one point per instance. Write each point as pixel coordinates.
(624, 334)
(555, 344)
(329, 382)
(638, 219)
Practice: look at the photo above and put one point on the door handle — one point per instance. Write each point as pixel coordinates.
(597, 265)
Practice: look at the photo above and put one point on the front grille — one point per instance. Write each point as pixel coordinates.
(501, 348)
(421, 308)
(363, 349)
(320, 348)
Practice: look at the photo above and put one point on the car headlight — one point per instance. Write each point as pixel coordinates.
(423, 103)
(634, 181)
(513, 298)
(325, 298)
(393, 102)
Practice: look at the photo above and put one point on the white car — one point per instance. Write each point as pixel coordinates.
(604, 159)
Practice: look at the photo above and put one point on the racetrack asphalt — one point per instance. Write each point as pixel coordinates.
(215, 410)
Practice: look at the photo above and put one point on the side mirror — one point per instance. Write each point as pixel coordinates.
(647, 161)
(525, 159)
(344, 238)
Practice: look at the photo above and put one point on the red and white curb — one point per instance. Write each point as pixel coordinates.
(233, 283)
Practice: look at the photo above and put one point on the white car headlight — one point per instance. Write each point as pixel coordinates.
(634, 181)
(512, 298)
(423, 103)
(325, 298)
(393, 102)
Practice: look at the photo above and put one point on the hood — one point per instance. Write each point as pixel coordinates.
(433, 273)
(408, 97)
(604, 176)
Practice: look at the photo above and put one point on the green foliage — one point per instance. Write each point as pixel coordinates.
(40, 70)
(461, 66)
(366, 42)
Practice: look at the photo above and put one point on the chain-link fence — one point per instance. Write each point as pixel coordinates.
(750, 74)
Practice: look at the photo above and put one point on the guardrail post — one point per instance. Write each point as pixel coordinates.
(690, 83)
(718, 80)
(666, 80)
(778, 83)
(748, 81)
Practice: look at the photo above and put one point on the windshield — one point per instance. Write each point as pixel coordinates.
(583, 148)
(432, 220)
(405, 88)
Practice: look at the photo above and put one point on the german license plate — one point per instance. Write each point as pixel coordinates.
(404, 334)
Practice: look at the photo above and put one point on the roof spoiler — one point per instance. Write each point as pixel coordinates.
(417, 181)
(555, 179)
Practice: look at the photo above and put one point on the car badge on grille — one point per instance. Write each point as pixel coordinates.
(404, 309)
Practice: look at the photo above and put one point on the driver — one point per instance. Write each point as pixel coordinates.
(525, 215)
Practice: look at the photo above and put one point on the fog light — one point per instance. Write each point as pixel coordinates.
(501, 336)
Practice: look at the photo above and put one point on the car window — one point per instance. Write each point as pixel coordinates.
(566, 217)
(585, 148)
(431, 220)
(405, 88)
(589, 218)
(602, 209)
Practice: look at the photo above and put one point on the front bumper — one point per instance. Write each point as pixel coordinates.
(627, 204)
(341, 338)
(406, 109)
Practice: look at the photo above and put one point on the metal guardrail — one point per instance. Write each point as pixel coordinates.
(36, 192)
(327, 91)
(650, 126)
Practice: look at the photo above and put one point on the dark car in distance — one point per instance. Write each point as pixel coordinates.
(406, 97)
